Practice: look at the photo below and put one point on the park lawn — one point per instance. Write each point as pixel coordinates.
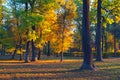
(55, 70)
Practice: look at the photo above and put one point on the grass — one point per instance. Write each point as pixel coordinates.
(55, 70)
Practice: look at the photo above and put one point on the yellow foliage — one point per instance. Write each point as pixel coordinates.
(10, 50)
(94, 3)
(117, 18)
(32, 35)
(104, 24)
(62, 31)
(109, 20)
(111, 38)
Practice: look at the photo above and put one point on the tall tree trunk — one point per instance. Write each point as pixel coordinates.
(86, 45)
(27, 45)
(39, 54)
(61, 56)
(99, 32)
(33, 52)
(115, 36)
(115, 50)
(3, 50)
(20, 53)
(27, 52)
(106, 45)
(48, 53)
(63, 32)
(13, 55)
(20, 45)
(102, 43)
(45, 49)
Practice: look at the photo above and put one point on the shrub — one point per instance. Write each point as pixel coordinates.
(105, 54)
(66, 54)
(78, 54)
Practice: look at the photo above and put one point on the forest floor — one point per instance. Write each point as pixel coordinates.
(56, 70)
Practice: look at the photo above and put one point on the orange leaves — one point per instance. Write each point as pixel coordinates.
(50, 16)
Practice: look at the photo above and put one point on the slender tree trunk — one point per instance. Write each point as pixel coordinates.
(106, 46)
(21, 52)
(13, 55)
(86, 46)
(20, 45)
(45, 50)
(20, 57)
(63, 32)
(102, 43)
(3, 50)
(48, 53)
(115, 50)
(114, 33)
(27, 45)
(27, 52)
(33, 52)
(39, 54)
(61, 56)
(99, 32)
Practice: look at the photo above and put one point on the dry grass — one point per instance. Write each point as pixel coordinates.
(55, 70)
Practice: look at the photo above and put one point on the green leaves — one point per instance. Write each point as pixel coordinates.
(30, 19)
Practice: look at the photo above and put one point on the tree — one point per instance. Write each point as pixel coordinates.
(1, 9)
(99, 32)
(78, 20)
(86, 46)
(64, 26)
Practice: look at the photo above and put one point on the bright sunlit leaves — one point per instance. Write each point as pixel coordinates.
(32, 35)
(109, 20)
(117, 18)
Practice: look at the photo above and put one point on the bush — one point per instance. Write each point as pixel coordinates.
(105, 54)
(77, 54)
(66, 54)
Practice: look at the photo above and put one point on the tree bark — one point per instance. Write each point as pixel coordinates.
(33, 52)
(13, 55)
(20, 45)
(86, 46)
(45, 49)
(61, 56)
(39, 54)
(27, 52)
(99, 32)
(106, 45)
(115, 50)
(27, 45)
(103, 40)
(3, 50)
(48, 53)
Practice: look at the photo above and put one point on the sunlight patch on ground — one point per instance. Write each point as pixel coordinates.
(56, 70)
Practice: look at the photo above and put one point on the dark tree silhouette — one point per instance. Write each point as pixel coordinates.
(99, 33)
(27, 52)
(48, 53)
(87, 62)
(27, 45)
